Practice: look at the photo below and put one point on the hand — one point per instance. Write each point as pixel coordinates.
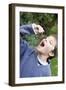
(38, 29)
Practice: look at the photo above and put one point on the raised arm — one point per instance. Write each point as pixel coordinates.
(28, 29)
(31, 29)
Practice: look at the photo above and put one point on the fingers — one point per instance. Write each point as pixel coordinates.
(37, 28)
(40, 29)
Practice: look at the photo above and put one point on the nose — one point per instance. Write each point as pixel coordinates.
(45, 40)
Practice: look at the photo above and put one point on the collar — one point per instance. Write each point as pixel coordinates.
(41, 61)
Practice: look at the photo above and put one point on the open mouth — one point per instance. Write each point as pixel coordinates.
(42, 44)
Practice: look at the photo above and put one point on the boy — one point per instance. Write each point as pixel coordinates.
(34, 62)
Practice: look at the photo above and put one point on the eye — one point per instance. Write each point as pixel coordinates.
(50, 42)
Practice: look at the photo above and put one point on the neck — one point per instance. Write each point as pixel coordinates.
(43, 57)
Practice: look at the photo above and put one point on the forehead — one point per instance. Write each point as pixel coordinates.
(52, 39)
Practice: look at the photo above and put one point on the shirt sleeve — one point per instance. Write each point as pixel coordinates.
(26, 29)
(24, 46)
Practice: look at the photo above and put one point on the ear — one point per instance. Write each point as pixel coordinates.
(51, 54)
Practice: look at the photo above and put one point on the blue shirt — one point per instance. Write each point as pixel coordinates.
(29, 64)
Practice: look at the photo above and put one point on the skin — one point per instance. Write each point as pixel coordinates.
(45, 47)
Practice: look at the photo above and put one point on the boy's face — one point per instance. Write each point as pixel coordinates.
(47, 45)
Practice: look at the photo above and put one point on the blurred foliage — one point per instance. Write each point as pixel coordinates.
(49, 23)
(46, 20)
(33, 39)
(54, 66)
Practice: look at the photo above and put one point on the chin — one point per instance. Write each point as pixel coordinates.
(39, 50)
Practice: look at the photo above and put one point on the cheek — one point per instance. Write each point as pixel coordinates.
(47, 49)
(44, 50)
